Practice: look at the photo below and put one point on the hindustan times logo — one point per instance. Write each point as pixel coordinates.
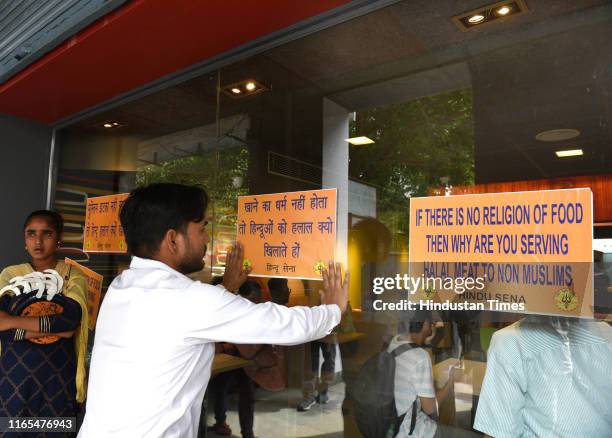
(413, 284)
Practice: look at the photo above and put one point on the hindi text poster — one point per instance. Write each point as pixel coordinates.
(291, 235)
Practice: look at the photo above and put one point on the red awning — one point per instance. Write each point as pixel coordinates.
(139, 43)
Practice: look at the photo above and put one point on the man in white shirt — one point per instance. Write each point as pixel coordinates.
(156, 330)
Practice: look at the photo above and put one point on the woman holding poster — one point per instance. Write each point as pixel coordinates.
(43, 327)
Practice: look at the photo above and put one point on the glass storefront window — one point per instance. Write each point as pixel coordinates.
(448, 112)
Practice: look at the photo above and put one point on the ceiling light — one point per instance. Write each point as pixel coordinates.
(569, 153)
(359, 141)
(557, 134)
(504, 10)
(110, 124)
(487, 14)
(244, 88)
(475, 19)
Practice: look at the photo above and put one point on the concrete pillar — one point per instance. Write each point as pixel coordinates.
(335, 168)
(24, 178)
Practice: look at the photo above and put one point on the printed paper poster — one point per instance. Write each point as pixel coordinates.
(94, 291)
(102, 230)
(291, 235)
(534, 248)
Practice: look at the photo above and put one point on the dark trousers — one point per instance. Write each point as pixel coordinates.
(312, 381)
(246, 399)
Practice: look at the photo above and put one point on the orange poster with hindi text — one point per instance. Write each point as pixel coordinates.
(102, 230)
(290, 235)
(94, 290)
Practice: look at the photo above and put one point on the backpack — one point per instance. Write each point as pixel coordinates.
(373, 396)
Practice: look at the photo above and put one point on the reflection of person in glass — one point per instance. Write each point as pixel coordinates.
(279, 290)
(414, 389)
(548, 376)
(43, 379)
(317, 376)
(246, 391)
(372, 242)
(315, 385)
(157, 328)
(602, 300)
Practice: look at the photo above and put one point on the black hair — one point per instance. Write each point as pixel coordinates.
(277, 283)
(54, 219)
(250, 289)
(216, 280)
(279, 290)
(414, 324)
(149, 212)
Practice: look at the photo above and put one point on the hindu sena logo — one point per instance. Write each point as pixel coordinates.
(426, 293)
(319, 267)
(566, 299)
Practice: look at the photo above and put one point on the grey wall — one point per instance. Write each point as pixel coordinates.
(24, 151)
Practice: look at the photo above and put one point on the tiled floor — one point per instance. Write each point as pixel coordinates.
(276, 416)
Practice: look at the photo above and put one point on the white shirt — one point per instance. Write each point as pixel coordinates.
(154, 348)
(413, 377)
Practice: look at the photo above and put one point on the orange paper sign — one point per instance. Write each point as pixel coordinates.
(533, 248)
(103, 231)
(94, 291)
(291, 235)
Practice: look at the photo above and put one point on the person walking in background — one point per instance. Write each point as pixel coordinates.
(317, 380)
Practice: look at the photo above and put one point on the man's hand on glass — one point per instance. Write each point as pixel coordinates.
(235, 273)
(335, 291)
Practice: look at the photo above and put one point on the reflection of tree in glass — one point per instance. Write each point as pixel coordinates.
(223, 175)
(416, 143)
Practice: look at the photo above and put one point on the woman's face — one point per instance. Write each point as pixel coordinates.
(41, 239)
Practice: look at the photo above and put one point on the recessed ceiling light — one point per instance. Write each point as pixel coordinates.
(569, 153)
(557, 135)
(244, 88)
(495, 12)
(475, 19)
(359, 141)
(504, 10)
(112, 124)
